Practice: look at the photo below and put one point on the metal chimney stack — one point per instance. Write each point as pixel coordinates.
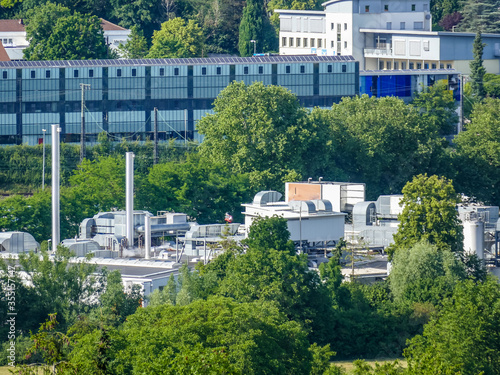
(129, 197)
(56, 215)
(147, 237)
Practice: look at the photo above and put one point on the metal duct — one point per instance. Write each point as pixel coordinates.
(147, 237)
(129, 197)
(56, 218)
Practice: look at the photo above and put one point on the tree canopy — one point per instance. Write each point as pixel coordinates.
(255, 25)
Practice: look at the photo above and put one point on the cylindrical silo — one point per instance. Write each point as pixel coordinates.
(474, 238)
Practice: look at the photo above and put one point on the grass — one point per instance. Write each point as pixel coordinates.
(4, 370)
(349, 366)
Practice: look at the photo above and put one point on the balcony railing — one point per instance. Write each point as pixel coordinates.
(378, 52)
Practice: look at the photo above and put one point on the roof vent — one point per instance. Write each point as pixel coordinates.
(262, 198)
(309, 180)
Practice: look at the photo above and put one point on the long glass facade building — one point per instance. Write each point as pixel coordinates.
(123, 94)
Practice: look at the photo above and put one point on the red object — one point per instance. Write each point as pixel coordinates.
(228, 218)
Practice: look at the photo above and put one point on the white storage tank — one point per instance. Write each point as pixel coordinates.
(474, 237)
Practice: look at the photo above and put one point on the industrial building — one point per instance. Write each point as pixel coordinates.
(120, 96)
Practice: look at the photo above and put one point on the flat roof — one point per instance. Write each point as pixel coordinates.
(293, 59)
(407, 72)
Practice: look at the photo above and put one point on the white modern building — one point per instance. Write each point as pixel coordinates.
(13, 36)
(382, 35)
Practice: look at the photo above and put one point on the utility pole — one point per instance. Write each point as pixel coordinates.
(155, 150)
(83, 87)
(43, 163)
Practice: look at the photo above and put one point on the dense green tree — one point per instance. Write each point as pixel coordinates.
(463, 337)
(255, 25)
(55, 34)
(216, 336)
(136, 46)
(424, 274)
(480, 16)
(492, 85)
(476, 68)
(270, 233)
(290, 4)
(260, 130)
(477, 158)
(442, 8)
(430, 214)
(177, 39)
(438, 106)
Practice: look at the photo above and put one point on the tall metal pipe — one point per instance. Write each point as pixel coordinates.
(129, 197)
(147, 237)
(56, 218)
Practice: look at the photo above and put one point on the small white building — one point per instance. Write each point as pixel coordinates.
(311, 223)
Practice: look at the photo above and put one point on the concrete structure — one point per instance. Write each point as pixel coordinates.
(13, 36)
(382, 35)
(311, 223)
(123, 94)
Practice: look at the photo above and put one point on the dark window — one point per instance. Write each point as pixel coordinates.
(330, 68)
(367, 8)
(203, 71)
(176, 71)
(118, 72)
(91, 73)
(245, 70)
(4, 75)
(162, 71)
(261, 70)
(413, 7)
(426, 66)
(75, 73)
(33, 74)
(47, 74)
(386, 7)
(412, 66)
(287, 69)
(344, 68)
(302, 69)
(219, 70)
(433, 66)
(134, 72)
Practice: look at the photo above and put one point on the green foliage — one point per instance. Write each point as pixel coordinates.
(361, 367)
(290, 4)
(424, 274)
(177, 39)
(438, 106)
(56, 34)
(270, 233)
(476, 67)
(429, 214)
(136, 47)
(216, 336)
(463, 338)
(255, 25)
(492, 85)
(480, 16)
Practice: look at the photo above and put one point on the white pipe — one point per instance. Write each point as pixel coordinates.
(147, 237)
(56, 216)
(129, 197)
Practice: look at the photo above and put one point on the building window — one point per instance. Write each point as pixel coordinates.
(75, 73)
(162, 71)
(381, 65)
(302, 69)
(245, 70)
(426, 7)
(426, 45)
(339, 27)
(333, 26)
(283, 41)
(367, 8)
(4, 73)
(413, 7)
(418, 25)
(441, 66)
(345, 26)
(433, 66)
(332, 44)
(134, 72)
(426, 66)
(312, 43)
(396, 65)
(388, 25)
(412, 66)
(419, 65)
(203, 71)
(176, 71)
(319, 43)
(91, 73)
(339, 47)
(305, 42)
(47, 74)
(330, 68)
(339, 37)
(33, 74)
(402, 25)
(386, 7)
(298, 42)
(344, 68)
(403, 65)
(290, 42)
(345, 44)
(219, 70)
(448, 66)
(287, 69)
(388, 65)
(261, 70)
(10, 41)
(118, 72)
